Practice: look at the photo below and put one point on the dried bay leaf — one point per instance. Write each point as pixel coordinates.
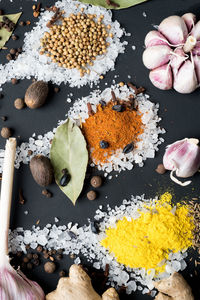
(122, 3)
(4, 34)
(69, 150)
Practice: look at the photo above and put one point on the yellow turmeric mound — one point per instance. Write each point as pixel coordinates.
(147, 241)
(118, 129)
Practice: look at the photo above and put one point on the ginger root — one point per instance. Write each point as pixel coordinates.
(78, 287)
(173, 288)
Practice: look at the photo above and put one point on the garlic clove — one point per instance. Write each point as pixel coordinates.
(190, 20)
(174, 29)
(177, 59)
(197, 67)
(182, 158)
(161, 77)
(185, 81)
(196, 49)
(14, 285)
(154, 38)
(156, 56)
(196, 31)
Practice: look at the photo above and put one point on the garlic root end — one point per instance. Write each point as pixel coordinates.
(174, 179)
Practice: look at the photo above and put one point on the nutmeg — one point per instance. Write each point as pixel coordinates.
(41, 170)
(36, 94)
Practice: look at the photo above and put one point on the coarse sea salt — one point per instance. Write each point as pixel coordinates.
(83, 243)
(146, 147)
(31, 64)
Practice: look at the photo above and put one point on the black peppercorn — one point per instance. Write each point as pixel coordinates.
(35, 256)
(128, 148)
(9, 57)
(25, 259)
(39, 248)
(13, 51)
(29, 266)
(103, 144)
(30, 255)
(118, 108)
(14, 37)
(65, 178)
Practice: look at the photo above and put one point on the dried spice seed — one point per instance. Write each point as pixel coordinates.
(59, 256)
(14, 37)
(14, 81)
(39, 248)
(6, 132)
(96, 181)
(29, 256)
(114, 97)
(36, 262)
(9, 57)
(25, 259)
(46, 193)
(65, 179)
(118, 108)
(49, 267)
(22, 23)
(29, 266)
(128, 148)
(35, 256)
(62, 273)
(103, 144)
(19, 103)
(160, 169)
(13, 51)
(91, 195)
(56, 89)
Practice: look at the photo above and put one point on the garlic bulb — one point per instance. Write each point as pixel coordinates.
(174, 47)
(183, 159)
(13, 284)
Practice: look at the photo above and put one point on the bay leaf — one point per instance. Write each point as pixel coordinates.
(4, 34)
(69, 150)
(122, 3)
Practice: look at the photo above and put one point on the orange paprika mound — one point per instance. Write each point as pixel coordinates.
(117, 128)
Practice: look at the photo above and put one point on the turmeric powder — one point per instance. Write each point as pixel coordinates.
(146, 242)
(118, 129)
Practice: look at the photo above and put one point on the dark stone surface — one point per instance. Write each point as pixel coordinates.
(180, 115)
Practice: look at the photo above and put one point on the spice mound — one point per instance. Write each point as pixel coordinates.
(77, 42)
(147, 241)
(108, 130)
(78, 39)
(148, 238)
(120, 127)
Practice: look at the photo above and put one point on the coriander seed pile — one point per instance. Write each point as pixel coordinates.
(76, 42)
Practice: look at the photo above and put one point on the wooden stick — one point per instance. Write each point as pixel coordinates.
(6, 195)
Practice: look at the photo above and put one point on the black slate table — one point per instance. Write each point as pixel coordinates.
(181, 118)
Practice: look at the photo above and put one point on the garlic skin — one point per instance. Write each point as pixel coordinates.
(15, 286)
(190, 20)
(183, 159)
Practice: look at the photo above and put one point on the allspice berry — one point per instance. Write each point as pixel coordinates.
(19, 103)
(96, 181)
(6, 132)
(49, 267)
(160, 169)
(91, 195)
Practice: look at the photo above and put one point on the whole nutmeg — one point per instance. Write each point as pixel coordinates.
(91, 195)
(41, 170)
(160, 169)
(36, 94)
(49, 267)
(96, 181)
(6, 132)
(19, 103)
